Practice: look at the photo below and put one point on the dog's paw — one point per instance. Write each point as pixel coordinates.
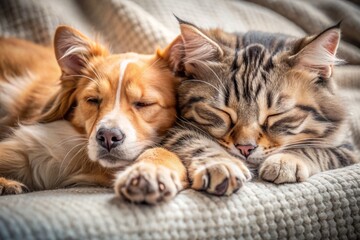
(145, 182)
(219, 176)
(284, 168)
(10, 187)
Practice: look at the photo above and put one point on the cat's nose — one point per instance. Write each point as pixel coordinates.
(246, 150)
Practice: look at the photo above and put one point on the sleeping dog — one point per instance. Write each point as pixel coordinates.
(83, 122)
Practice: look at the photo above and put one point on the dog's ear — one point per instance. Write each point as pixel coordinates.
(74, 52)
(173, 55)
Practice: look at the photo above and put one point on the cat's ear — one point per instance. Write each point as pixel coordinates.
(319, 52)
(197, 45)
(191, 46)
(73, 49)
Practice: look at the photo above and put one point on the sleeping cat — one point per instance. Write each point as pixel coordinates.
(258, 100)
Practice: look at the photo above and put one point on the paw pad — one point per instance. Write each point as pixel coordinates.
(148, 183)
(220, 177)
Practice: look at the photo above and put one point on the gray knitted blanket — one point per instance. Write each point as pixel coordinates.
(326, 206)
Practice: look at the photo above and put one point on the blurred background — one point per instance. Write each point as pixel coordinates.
(143, 25)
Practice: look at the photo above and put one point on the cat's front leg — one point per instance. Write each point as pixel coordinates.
(285, 168)
(219, 175)
(210, 167)
(156, 176)
(297, 165)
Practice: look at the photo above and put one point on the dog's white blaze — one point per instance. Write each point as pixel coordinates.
(116, 118)
(116, 110)
(123, 66)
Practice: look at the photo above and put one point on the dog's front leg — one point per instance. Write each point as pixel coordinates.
(14, 168)
(156, 176)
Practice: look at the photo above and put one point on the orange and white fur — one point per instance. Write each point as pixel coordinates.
(83, 122)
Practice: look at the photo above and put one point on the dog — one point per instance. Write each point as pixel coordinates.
(84, 115)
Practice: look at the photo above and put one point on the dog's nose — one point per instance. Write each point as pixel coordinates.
(245, 150)
(109, 138)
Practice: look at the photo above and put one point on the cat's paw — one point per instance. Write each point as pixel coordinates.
(219, 177)
(9, 187)
(146, 182)
(284, 168)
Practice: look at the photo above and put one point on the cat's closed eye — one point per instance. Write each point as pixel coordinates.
(215, 120)
(286, 122)
(270, 117)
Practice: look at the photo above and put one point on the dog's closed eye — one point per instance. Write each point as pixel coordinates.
(143, 104)
(93, 100)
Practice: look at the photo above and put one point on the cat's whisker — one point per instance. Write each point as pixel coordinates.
(307, 145)
(299, 145)
(213, 72)
(308, 142)
(207, 83)
(192, 124)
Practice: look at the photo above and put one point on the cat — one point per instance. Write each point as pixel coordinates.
(260, 101)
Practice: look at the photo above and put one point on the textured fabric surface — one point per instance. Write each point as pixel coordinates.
(27, 20)
(326, 206)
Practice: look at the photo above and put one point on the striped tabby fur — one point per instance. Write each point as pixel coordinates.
(260, 101)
